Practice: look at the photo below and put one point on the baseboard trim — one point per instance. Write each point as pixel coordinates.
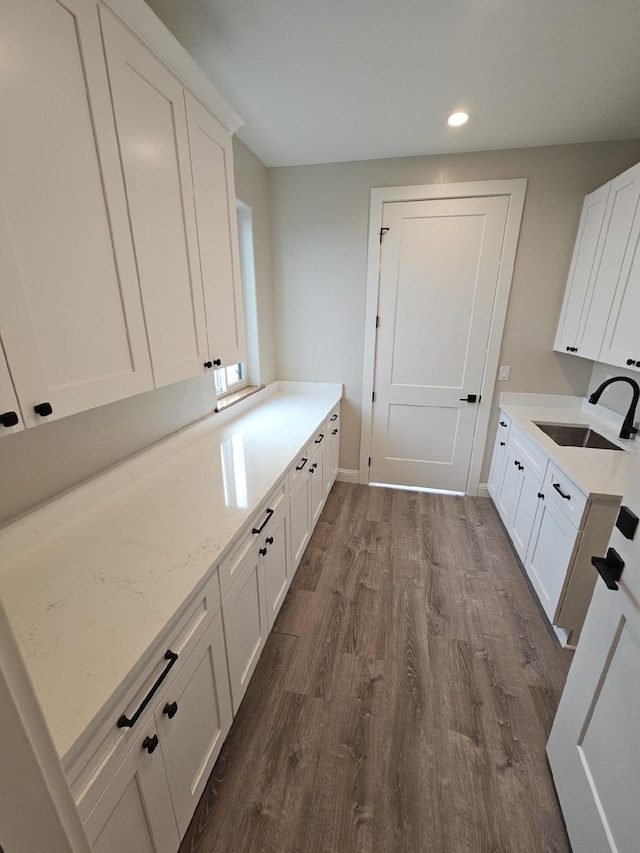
(347, 475)
(483, 491)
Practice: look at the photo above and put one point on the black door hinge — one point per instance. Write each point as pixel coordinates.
(383, 231)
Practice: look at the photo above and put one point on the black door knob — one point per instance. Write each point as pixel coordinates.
(150, 744)
(170, 709)
(43, 409)
(470, 398)
(9, 419)
(208, 364)
(609, 567)
(217, 362)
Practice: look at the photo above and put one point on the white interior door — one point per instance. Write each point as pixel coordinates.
(594, 748)
(439, 268)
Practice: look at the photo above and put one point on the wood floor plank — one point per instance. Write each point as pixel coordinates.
(404, 698)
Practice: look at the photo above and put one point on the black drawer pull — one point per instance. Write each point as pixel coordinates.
(269, 540)
(170, 709)
(217, 362)
(262, 552)
(304, 461)
(334, 432)
(502, 443)
(319, 438)
(556, 486)
(540, 495)
(124, 721)
(150, 744)
(503, 424)
(264, 523)
(313, 467)
(9, 419)
(334, 417)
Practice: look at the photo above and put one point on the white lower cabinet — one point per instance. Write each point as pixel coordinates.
(332, 450)
(192, 721)
(553, 540)
(300, 513)
(276, 565)
(317, 475)
(245, 623)
(135, 812)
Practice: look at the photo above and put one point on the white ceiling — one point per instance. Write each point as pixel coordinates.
(320, 81)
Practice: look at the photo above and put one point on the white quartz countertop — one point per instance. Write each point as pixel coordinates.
(89, 598)
(598, 473)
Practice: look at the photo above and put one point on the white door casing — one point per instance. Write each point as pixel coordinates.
(594, 747)
(434, 218)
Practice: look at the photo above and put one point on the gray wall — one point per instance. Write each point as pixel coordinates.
(616, 397)
(320, 230)
(39, 463)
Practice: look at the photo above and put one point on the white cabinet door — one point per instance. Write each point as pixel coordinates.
(510, 485)
(550, 553)
(617, 288)
(316, 476)
(275, 562)
(193, 719)
(300, 509)
(245, 624)
(148, 102)
(524, 513)
(10, 415)
(135, 813)
(497, 466)
(332, 451)
(70, 314)
(215, 203)
(581, 279)
(594, 747)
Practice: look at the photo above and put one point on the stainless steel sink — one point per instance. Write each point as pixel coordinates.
(577, 436)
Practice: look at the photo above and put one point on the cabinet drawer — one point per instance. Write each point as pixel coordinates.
(261, 522)
(299, 467)
(560, 489)
(109, 743)
(528, 454)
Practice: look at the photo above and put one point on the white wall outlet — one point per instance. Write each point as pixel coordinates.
(504, 371)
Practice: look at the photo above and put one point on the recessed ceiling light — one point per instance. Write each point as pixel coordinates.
(456, 119)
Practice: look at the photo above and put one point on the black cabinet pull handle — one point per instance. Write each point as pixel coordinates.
(304, 461)
(208, 364)
(264, 523)
(126, 722)
(609, 567)
(631, 362)
(217, 362)
(572, 349)
(263, 552)
(319, 438)
(540, 495)
(313, 467)
(502, 443)
(334, 432)
(9, 419)
(556, 486)
(269, 540)
(334, 417)
(503, 423)
(516, 463)
(43, 409)
(170, 709)
(150, 744)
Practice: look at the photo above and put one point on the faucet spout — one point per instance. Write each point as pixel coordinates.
(628, 429)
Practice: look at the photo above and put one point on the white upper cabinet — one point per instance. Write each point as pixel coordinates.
(214, 196)
(148, 102)
(71, 321)
(581, 278)
(622, 338)
(602, 299)
(10, 415)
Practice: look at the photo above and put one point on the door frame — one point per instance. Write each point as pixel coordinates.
(515, 190)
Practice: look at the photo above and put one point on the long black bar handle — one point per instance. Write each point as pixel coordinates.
(556, 486)
(319, 438)
(264, 523)
(125, 722)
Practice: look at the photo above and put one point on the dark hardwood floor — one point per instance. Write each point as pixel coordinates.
(404, 698)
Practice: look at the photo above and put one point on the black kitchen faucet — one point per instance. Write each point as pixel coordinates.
(628, 430)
